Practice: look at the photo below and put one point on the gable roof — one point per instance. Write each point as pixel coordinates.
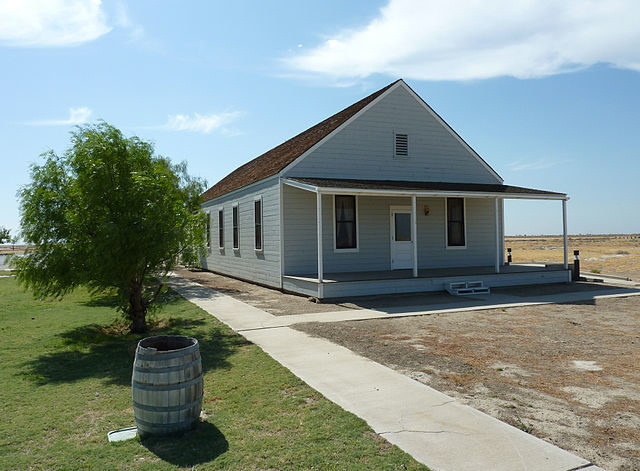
(276, 159)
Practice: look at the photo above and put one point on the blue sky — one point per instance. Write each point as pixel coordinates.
(548, 93)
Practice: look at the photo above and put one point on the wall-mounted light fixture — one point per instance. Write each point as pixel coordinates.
(426, 210)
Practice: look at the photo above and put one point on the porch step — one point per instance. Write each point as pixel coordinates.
(462, 288)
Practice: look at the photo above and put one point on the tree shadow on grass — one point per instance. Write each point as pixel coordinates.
(205, 443)
(103, 299)
(110, 298)
(93, 351)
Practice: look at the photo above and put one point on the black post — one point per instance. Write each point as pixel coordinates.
(576, 265)
(508, 255)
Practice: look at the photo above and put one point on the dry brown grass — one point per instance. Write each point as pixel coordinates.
(607, 254)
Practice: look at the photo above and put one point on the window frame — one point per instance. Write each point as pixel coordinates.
(255, 232)
(208, 229)
(446, 223)
(235, 226)
(221, 228)
(335, 226)
(395, 148)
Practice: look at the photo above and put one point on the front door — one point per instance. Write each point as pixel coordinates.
(401, 243)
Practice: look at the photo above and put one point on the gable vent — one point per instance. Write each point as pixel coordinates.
(402, 145)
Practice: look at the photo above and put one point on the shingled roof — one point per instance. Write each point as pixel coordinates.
(276, 159)
(411, 186)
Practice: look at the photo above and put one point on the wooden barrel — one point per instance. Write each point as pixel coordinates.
(166, 384)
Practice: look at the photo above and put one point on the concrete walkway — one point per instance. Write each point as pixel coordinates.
(434, 428)
(460, 304)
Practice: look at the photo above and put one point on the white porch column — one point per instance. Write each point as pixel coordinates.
(414, 236)
(498, 254)
(564, 234)
(319, 227)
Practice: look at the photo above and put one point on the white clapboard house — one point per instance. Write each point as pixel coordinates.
(382, 197)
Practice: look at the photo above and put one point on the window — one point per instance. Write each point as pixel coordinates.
(257, 219)
(401, 145)
(402, 222)
(345, 217)
(455, 222)
(236, 238)
(208, 230)
(221, 228)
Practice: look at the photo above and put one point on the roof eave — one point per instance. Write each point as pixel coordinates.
(424, 193)
(374, 97)
(321, 142)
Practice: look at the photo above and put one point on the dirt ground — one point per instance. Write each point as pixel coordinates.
(608, 254)
(270, 300)
(278, 303)
(567, 373)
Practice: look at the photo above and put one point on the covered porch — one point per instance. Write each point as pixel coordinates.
(429, 279)
(429, 260)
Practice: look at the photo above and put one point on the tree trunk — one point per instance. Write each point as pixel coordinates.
(137, 309)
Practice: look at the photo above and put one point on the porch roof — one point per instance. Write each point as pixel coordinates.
(419, 188)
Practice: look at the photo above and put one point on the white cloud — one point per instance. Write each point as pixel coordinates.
(51, 22)
(123, 20)
(76, 116)
(476, 39)
(540, 164)
(203, 123)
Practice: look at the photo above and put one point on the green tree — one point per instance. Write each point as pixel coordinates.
(107, 214)
(5, 235)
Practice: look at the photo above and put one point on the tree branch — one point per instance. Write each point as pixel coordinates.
(156, 293)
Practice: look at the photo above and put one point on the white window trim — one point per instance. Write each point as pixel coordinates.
(258, 198)
(446, 224)
(221, 211)
(233, 206)
(396, 156)
(209, 227)
(333, 217)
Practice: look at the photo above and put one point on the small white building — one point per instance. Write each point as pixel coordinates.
(382, 197)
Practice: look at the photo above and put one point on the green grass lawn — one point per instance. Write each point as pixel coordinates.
(65, 383)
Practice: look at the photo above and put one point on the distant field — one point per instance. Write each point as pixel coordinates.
(8, 248)
(606, 254)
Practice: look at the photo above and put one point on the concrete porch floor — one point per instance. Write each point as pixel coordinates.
(424, 273)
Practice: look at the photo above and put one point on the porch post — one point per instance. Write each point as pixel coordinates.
(495, 205)
(564, 234)
(319, 226)
(414, 236)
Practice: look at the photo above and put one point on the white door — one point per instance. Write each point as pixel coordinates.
(401, 243)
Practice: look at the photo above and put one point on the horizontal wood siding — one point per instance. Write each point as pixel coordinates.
(480, 235)
(364, 149)
(374, 236)
(247, 263)
(300, 242)
(374, 248)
